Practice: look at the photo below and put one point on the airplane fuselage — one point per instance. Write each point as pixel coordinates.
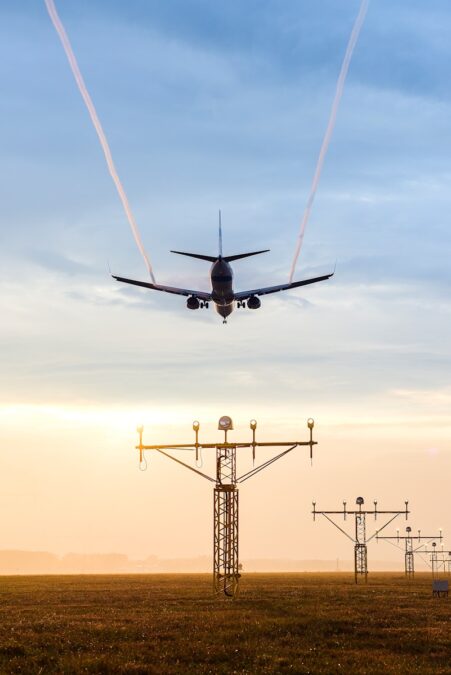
(221, 276)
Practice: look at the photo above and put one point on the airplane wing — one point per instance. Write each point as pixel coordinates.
(202, 295)
(244, 295)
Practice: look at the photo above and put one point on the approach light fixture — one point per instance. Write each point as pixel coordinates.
(310, 423)
(225, 423)
(253, 424)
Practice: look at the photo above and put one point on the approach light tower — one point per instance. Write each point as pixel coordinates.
(359, 540)
(410, 549)
(437, 562)
(434, 559)
(225, 495)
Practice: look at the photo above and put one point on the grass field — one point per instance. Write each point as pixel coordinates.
(299, 623)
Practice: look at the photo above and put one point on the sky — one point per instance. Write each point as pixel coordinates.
(209, 106)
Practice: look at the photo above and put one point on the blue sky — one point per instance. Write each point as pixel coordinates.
(208, 106)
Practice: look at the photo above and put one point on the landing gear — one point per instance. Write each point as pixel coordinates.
(204, 304)
(240, 304)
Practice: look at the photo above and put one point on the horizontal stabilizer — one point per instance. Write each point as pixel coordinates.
(231, 258)
(209, 258)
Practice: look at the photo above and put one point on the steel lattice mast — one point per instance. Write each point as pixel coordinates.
(410, 548)
(360, 540)
(225, 538)
(226, 568)
(435, 561)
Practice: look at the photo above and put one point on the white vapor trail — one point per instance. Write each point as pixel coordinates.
(330, 127)
(98, 127)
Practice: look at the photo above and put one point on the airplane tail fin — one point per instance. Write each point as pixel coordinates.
(227, 258)
(231, 258)
(200, 256)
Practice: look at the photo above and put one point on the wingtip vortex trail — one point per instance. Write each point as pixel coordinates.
(51, 9)
(329, 130)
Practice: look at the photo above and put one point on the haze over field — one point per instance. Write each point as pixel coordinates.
(208, 107)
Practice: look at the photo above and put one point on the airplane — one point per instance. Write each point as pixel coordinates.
(221, 277)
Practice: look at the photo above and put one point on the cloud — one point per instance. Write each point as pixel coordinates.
(438, 399)
(208, 106)
(206, 112)
(57, 262)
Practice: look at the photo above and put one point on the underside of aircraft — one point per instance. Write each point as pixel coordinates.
(221, 276)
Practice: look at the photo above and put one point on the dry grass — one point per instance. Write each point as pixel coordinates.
(299, 623)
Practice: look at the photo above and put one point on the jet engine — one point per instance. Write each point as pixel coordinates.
(254, 302)
(192, 302)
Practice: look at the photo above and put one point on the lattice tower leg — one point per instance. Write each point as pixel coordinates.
(409, 560)
(434, 564)
(225, 560)
(360, 549)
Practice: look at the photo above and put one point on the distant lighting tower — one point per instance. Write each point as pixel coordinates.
(436, 561)
(226, 568)
(410, 549)
(360, 540)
